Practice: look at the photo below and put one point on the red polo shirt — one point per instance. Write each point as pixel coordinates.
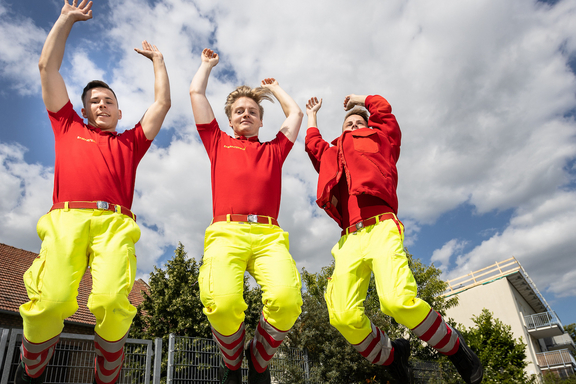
(246, 174)
(93, 165)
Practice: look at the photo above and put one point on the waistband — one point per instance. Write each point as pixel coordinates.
(246, 219)
(100, 205)
(371, 221)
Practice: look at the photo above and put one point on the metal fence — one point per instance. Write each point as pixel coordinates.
(73, 360)
(190, 361)
(196, 360)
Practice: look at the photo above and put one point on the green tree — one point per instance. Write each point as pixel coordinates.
(173, 304)
(334, 359)
(503, 357)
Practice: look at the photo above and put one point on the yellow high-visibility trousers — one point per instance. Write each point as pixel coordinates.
(230, 249)
(374, 249)
(72, 240)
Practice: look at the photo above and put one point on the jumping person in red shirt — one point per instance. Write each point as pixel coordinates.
(244, 234)
(357, 188)
(90, 223)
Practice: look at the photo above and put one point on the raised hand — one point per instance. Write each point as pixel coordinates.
(210, 57)
(353, 100)
(150, 51)
(269, 82)
(313, 105)
(77, 12)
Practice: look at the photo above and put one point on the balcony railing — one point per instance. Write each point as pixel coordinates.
(560, 342)
(554, 359)
(541, 320)
(545, 324)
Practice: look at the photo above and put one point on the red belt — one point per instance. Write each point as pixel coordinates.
(246, 219)
(371, 221)
(100, 205)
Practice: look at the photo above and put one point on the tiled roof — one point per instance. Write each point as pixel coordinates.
(14, 262)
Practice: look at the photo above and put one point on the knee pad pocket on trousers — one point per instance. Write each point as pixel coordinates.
(283, 304)
(112, 308)
(348, 322)
(225, 308)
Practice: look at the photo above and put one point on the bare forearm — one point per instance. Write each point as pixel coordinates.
(312, 120)
(289, 106)
(201, 108)
(161, 83)
(200, 80)
(53, 50)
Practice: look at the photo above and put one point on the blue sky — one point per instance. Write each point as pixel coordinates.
(484, 94)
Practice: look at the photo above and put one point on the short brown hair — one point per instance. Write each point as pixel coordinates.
(360, 112)
(256, 94)
(96, 84)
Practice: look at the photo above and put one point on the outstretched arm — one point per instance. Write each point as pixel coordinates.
(54, 91)
(154, 117)
(291, 125)
(353, 100)
(312, 108)
(201, 108)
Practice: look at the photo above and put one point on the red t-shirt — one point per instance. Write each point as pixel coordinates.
(93, 165)
(246, 174)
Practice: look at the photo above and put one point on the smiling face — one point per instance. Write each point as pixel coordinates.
(101, 109)
(354, 122)
(245, 118)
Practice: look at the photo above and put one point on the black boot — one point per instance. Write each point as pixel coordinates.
(467, 363)
(254, 377)
(21, 377)
(229, 376)
(400, 369)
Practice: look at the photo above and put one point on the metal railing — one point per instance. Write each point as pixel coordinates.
(554, 359)
(542, 320)
(73, 360)
(196, 360)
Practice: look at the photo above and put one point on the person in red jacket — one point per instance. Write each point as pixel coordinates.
(357, 188)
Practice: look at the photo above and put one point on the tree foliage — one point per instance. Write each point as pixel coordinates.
(173, 304)
(340, 363)
(503, 357)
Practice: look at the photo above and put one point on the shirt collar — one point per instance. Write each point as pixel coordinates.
(99, 131)
(253, 138)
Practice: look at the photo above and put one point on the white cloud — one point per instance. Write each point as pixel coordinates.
(20, 45)
(444, 254)
(480, 90)
(26, 195)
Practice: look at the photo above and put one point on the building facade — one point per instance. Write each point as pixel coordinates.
(506, 290)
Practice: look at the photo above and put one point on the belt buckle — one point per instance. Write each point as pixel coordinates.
(102, 205)
(359, 225)
(252, 218)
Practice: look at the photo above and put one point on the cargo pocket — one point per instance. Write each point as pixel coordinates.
(34, 275)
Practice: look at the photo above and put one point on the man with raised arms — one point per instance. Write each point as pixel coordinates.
(357, 188)
(244, 234)
(90, 223)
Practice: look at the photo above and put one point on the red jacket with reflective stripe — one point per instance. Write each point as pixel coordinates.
(366, 156)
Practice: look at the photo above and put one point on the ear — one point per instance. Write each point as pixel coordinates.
(119, 115)
(83, 113)
(230, 123)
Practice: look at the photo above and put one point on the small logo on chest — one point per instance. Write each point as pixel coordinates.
(88, 140)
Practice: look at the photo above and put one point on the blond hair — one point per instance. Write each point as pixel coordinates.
(257, 94)
(358, 111)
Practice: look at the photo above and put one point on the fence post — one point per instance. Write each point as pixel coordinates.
(170, 376)
(157, 360)
(306, 367)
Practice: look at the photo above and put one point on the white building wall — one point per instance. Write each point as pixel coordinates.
(502, 299)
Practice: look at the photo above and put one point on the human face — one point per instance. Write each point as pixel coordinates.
(354, 122)
(101, 109)
(245, 118)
